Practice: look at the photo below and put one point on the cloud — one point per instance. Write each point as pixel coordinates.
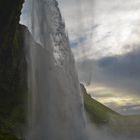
(118, 25)
(125, 66)
(25, 16)
(106, 25)
(78, 41)
(111, 83)
(121, 73)
(99, 30)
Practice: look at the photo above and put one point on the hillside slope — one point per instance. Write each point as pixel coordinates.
(116, 123)
(97, 112)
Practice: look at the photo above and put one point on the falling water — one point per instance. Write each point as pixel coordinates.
(56, 110)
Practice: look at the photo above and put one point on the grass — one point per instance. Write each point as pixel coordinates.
(118, 124)
(97, 112)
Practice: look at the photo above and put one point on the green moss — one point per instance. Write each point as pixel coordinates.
(8, 136)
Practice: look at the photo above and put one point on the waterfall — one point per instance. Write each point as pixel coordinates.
(56, 106)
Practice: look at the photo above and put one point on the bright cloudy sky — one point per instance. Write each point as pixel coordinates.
(102, 27)
(105, 40)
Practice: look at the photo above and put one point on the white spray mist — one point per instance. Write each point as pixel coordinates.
(56, 104)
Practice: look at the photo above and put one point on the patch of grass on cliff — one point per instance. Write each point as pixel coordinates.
(101, 115)
(97, 112)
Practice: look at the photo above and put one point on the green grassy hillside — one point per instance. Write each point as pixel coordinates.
(101, 115)
(98, 113)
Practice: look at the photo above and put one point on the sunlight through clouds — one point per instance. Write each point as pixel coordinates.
(112, 98)
(107, 26)
(116, 25)
(97, 30)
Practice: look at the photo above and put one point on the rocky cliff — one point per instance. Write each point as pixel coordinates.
(13, 69)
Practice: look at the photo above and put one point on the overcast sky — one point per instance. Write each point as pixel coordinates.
(105, 39)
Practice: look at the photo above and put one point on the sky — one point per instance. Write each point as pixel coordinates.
(105, 40)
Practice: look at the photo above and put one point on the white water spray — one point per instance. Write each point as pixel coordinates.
(56, 103)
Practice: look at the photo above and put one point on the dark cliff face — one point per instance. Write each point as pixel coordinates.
(13, 68)
(10, 11)
(13, 85)
(83, 89)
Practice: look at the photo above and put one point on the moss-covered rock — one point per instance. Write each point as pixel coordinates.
(13, 87)
(10, 11)
(13, 70)
(8, 136)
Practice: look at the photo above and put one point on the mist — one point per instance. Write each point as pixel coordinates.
(96, 63)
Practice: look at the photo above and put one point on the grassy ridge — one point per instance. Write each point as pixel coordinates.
(117, 124)
(98, 113)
